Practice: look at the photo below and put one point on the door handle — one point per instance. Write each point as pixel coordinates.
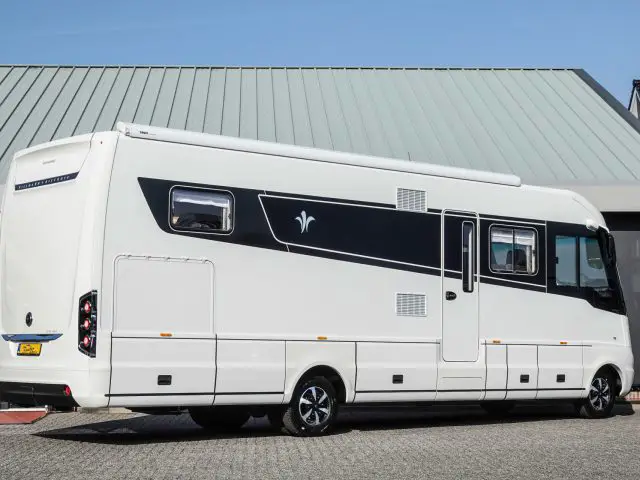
(450, 295)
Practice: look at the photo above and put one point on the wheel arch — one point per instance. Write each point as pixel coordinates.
(613, 369)
(331, 373)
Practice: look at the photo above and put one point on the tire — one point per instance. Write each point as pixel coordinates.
(312, 410)
(498, 408)
(221, 418)
(600, 398)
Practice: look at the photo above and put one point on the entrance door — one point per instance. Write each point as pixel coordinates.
(459, 286)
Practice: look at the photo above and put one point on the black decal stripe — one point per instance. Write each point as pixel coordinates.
(330, 199)
(345, 257)
(457, 275)
(524, 222)
(46, 181)
(367, 233)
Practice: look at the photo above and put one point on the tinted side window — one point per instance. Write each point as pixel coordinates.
(566, 271)
(201, 210)
(513, 250)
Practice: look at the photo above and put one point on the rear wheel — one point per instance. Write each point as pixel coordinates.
(219, 418)
(313, 408)
(498, 408)
(600, 398)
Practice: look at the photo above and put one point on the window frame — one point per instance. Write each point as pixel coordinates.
(205, 190)
(515, 227)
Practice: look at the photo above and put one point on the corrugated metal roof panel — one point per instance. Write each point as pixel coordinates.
(266, 111)
(248, 104)
(547, 126)
(215, 102)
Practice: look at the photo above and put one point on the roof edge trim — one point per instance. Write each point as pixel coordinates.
(609, 99)
(308, 153)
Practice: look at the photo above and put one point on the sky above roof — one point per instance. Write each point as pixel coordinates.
(596, 36)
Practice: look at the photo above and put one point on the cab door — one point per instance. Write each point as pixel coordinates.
(459, 287)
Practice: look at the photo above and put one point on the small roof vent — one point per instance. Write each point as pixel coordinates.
(412, 200)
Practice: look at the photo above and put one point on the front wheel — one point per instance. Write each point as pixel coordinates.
(600, 398)
(313, 408)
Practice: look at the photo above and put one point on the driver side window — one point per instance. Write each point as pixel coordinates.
(205, 211)
(579, 263)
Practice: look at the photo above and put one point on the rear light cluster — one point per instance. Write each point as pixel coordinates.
(87, 323)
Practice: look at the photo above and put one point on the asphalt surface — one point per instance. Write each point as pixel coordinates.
(534, 442)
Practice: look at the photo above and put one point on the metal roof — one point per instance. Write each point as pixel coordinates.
(548, 126)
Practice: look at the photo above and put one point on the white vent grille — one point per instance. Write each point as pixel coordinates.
(411, 305)
(413, 200)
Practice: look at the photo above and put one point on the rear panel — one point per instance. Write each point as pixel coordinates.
(41, 231)
(50, 250)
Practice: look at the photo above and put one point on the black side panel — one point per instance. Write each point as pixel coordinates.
(376, 233)
(365, 233)
(358, 232)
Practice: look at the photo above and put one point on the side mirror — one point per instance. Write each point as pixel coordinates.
(607, 244)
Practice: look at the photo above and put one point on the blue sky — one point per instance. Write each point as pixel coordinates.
(599, 36)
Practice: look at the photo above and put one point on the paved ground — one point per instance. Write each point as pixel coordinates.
(538, 442)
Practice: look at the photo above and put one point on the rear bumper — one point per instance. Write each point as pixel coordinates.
(36, 394)
(30, 386)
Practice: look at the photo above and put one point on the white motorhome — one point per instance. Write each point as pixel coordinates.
(158, 269)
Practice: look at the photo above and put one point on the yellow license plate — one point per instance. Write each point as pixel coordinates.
(32, 349)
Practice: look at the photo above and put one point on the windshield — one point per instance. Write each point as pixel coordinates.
(602, 272)
(586, 265)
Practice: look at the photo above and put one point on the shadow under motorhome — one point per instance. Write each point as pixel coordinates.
(158, 269)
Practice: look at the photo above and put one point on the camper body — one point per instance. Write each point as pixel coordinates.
(153, 269)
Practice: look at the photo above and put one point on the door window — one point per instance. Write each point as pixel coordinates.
(468, 256)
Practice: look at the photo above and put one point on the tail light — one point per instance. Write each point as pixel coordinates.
(88, 323)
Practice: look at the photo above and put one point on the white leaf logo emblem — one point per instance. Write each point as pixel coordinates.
(304, 221)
